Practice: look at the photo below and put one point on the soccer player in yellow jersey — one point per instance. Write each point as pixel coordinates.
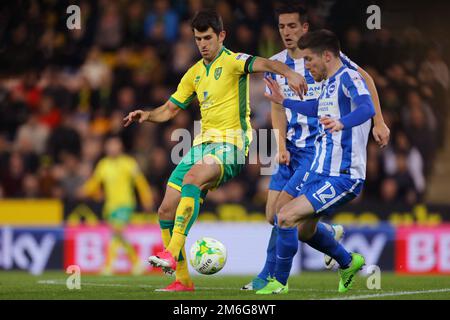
(220, 83)
(119, 174)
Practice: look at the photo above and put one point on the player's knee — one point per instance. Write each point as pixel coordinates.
(191, 178)
(117, 229)
(305, 232)
(304, 235)
(166, 212)
(286, 218)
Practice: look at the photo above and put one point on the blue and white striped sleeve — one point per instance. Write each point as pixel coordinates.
(355, 84)
(347, 62)
(307, 108)
(360, 96)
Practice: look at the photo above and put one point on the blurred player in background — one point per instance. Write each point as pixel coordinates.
(119, 174)
(344, 109)
(297, 133)
(220, 82)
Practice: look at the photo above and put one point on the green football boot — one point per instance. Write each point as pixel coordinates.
(348, 275)
(274, 287)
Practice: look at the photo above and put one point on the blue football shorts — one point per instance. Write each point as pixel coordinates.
(300, 161)
(326, 193)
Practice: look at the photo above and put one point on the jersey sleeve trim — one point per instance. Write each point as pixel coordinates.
(248, 67)
(182, 105)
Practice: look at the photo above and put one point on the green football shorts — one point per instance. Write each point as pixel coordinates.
(120, 216)
(229, 156)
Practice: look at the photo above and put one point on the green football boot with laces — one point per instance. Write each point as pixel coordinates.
(347, 276)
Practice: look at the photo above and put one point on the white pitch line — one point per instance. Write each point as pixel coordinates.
(60, 282)
(95, 284)
(353, 297)
(87, 283)
(388, 294)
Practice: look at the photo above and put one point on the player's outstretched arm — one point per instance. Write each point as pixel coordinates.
(161, 114)
(380, 131)
(295, 80)
(307, 108)
(279, 124)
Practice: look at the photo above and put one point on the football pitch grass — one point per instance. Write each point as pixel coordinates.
(308, 285)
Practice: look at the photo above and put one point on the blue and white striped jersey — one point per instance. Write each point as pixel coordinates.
(301, 130)
(343, 152)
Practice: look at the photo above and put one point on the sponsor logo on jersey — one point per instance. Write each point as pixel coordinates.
(312, 93)
(242, 56)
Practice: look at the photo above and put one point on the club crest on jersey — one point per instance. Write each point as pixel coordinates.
(217, 73)
(331, 89)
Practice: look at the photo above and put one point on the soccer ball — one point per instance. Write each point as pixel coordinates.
(208, 256)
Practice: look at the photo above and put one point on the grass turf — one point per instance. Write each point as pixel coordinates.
(308, 285)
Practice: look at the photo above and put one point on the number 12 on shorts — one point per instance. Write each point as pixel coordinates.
(325, 193)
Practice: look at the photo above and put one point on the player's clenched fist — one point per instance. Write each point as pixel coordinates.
(284, 157)
(333, 125)
(297, 83)
(137, 116)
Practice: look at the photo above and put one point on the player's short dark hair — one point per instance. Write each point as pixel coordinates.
(319, 41)
(293, 7)
(207, 18)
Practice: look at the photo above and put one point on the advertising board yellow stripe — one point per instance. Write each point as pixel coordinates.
(31, 212)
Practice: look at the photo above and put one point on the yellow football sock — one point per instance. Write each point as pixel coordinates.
(187, 212)
(129, 249)
(165, 235)
(131, 252)
(111, 253)
(176, 243)
(182, 272)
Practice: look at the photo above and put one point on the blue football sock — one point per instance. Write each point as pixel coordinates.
(269, 266)
(328, 227)
(287, 246)
(323, 241)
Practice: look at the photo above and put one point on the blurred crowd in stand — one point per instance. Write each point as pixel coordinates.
(63, 91)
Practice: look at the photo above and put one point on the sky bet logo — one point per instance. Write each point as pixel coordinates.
(26, 249)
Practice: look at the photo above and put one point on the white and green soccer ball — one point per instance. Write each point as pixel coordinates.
(208, 255)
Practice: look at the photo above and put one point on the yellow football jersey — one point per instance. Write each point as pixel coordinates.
(222, 89)
(118, 177)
